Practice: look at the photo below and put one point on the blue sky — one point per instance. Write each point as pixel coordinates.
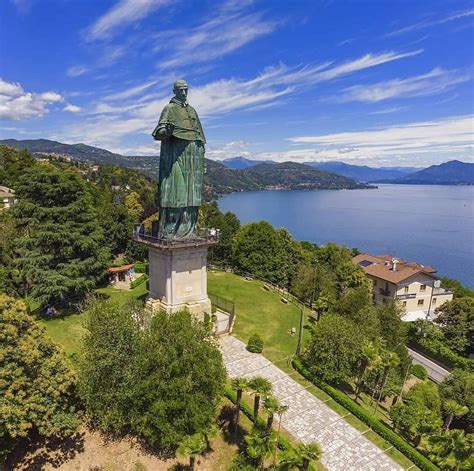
(379, 82)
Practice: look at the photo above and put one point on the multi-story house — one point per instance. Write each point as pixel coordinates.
(415, 286)
(7, 197)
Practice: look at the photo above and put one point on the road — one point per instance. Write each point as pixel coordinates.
(435, 372)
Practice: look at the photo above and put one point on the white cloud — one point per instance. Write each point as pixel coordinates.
(16, 104)
(121, 14)
(108, 124)
(72, 108)
(431, 83)
(428, 23)
(229, 30)
(451, 137)
(392, 109)
(76, 70)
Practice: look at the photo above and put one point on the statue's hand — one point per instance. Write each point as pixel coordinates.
(169, 129)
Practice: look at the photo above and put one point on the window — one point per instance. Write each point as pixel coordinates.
(433, 301)
(422, 287)
(375, 282)
(421, 302)
(404, 304)
(406, 289)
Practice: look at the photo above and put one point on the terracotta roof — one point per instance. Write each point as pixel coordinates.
(119, 269)
(381, 267)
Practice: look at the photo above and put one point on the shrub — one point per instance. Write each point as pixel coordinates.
(255, 344)
(141, 267)
(138, 281)
(380, 428)
(419, 372)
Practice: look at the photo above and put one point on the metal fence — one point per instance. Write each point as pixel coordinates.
(223, 304)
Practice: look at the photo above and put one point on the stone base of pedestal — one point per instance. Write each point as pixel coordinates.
(178, 280)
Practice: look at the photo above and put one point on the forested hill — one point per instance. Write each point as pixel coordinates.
(219, 179)
(449, 173)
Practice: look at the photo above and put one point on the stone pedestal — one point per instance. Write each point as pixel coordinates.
(178, 279)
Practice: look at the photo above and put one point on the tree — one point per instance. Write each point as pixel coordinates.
(356, 305)
(301, 457)
(369, 353)
(392, 328)
(61, 247)
(272, 406)
(117, 224)
(192, 446)
(13, 163)
(266, 252)
(181, 379)
(108, 366)
(459, 386)
(162, 384)
(452, 409)
(133, 205)
(456, 319)
(240, 384)
(259, 387)
(452, 450)
(334, 349)
(460, 291)
(37, 388)
(260, 445)
(419, 414)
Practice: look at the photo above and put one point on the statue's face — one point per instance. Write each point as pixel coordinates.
(181, 93)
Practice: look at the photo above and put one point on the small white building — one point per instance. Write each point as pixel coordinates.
(415, 286)
(7, 197)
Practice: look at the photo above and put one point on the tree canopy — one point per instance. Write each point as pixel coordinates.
(37, 388)
(162, 383)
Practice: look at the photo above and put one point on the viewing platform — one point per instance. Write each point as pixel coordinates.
(203, 238)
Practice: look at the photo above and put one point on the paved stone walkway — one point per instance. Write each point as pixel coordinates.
(308, 418)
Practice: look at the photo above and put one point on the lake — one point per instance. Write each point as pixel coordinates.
(430, 224)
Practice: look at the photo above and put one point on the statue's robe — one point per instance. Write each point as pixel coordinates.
(181, 170)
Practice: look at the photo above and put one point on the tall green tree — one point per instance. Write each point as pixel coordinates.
(334, 349)
(456, 319)
(61, 248)
(240, 384)
(459, 386)
(452, 409)
(369, 354)
(181, 382)
(259, 387)
(37, 387)
(452, 450)
(109, 363)
(162, 383)
(419, 414)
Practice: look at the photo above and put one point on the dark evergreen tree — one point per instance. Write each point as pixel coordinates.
(61, 248)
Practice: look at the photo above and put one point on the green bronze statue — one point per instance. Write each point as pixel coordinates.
(181, 170)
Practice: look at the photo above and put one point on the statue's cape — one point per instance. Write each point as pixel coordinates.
(185, 120)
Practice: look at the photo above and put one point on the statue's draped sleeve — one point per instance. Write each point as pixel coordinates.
(164, 120)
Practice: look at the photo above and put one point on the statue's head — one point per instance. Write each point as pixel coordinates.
(180, 89)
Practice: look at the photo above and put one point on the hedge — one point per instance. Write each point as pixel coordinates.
(141, 267)
(138, 281)
(442, 354)
(383, 430)
(419, 371)
(283, 443)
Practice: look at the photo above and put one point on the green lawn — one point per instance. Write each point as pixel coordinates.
(259, 311)
(66, 330)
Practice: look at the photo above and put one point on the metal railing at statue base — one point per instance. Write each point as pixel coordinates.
(202, 237)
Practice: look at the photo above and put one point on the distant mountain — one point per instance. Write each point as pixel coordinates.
(241, 163)
(218, 179)
(363, 173)
(449, 173)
